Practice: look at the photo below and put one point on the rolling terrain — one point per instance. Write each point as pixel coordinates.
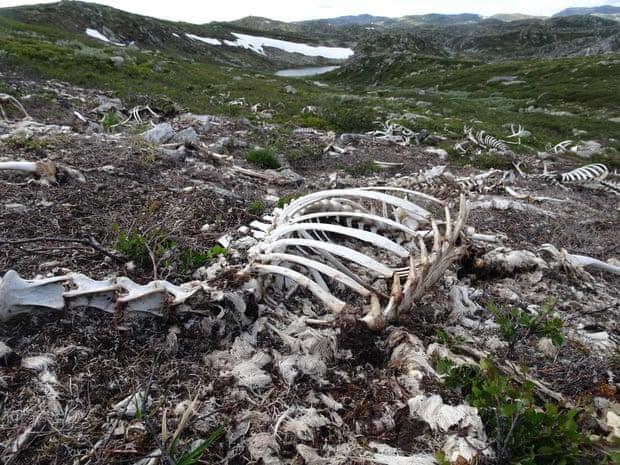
(410, 260)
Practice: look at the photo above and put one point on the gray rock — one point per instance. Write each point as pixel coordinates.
(118, 62)
(290, 90)
(186, 136)
(160, 134)
(227, 142)
(423, 104)
(287, 177)
(441, 153)
(495, 79)
(175, 155)
(106, 104)
(348, 138)
(587, 149)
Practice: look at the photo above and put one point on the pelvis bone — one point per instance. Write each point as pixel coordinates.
(361, 241)
(75, 291)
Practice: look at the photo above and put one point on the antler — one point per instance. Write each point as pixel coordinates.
(12, 100)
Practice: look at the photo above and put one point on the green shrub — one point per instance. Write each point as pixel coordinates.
(264, 158)
(364, 168)
(110, 119)
(524, 433)
(351, 119)
(286, 199)
(256, 208)
(517, 325)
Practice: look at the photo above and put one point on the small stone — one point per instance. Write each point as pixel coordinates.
(441, 153)
(160, 134)
(117, 62)
(348, 138)
(587, 149)
(186, 136)
(18, 208)
(290, 90)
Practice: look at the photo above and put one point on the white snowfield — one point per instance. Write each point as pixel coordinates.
(95, 34)
(206, 40)
(256, 44)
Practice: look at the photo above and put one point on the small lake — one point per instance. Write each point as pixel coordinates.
(301, 72)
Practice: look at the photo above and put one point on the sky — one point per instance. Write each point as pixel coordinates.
(203, 11)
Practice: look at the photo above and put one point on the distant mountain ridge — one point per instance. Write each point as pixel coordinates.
(596, 10)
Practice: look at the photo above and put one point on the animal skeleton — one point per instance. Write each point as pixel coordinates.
(592, 176)
(320, 235)
(134, 114)
(394, 132)
(484, 140)
(6, 98)
(309, 242)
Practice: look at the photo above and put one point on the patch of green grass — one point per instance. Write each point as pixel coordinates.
(109, 120)
(364, 168)
(524, 432)
(194, 456)
(23, 142)
(351, 117)
(286, 199)
(486, 161)
(256, 208)
(263, 158)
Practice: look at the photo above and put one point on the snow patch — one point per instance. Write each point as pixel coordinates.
(95, 34)
(256, 44)
(176, 35)
(206, 40)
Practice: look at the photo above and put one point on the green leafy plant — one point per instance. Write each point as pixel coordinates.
(256, 208)
(193, 456)
(517, 325)
(524, 433)
(286, 199)
(215, 251)
(109, 120)
(264, 158)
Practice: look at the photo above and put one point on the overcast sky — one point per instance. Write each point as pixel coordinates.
(202, 11)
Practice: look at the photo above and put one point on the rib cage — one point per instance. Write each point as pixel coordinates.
(355, 239)
(484, 140)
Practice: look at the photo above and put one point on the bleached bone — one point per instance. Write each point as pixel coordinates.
(351, 237)
(73, 291)
(6, 98)
(484, 140)
(517, 133)
(134, 114)
(573, 261)
(45, 169)
(18, 295)
(584, 174)
(562, 147)
(387, 165)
